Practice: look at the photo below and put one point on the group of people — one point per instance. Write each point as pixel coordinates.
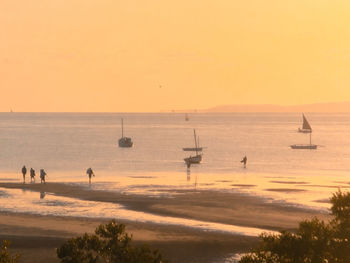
(89, 172)
(43, 174)
(32, 174)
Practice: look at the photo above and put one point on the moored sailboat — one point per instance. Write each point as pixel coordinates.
(198, 157)
(305, 129)
(125, 142)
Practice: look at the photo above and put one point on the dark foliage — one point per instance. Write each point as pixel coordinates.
(110, 243)
(314, 242)
(5, 255)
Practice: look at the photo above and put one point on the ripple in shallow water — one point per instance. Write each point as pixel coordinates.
(285, 190)
(288, 182)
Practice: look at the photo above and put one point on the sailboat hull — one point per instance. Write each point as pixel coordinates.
(125, 142)
(305, 130)
(304, 146)
(193, 159)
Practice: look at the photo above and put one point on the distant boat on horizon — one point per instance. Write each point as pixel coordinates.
(125, 142)
(305, 129)
(198, 157)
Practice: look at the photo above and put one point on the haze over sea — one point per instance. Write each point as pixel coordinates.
(66, 144)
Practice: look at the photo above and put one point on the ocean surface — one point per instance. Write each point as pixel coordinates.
(66, 144)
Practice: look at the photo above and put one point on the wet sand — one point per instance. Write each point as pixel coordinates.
(36, 237)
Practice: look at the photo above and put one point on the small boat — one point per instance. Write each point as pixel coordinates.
(194, 159)
(304, 146)
(193, 149)
(125, 142)
(306, 126)
(306, 129)
(198, 157)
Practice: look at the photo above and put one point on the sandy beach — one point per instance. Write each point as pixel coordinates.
(36, 237)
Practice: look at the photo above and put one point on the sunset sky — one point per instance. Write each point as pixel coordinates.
(152, 55)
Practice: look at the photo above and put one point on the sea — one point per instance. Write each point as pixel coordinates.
(66, 144)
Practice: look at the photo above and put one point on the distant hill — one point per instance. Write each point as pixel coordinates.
(316, 107)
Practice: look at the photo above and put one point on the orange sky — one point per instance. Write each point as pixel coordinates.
(112, 55)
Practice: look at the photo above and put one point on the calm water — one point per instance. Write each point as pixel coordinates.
(65, 144)
(72, 142)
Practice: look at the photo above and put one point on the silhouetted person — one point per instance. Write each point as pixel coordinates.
(42, 176)
(244, 161)
(32, 174)
(24, 172)
(90, 173)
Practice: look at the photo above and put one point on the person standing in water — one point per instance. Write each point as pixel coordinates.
(90, 173)
(42, 176)
(24, 172)
(244, 161)
(32, 174)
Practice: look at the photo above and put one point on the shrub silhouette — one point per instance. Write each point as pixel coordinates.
(315, 241)
(110, 243)
(5, 255)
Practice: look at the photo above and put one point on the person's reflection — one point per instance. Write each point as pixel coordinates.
(188, 163)
(42, 195)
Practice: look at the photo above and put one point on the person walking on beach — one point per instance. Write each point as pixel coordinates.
(32, 175)
(42, 176)
(89, 172)
(24, 172)
(244, 161)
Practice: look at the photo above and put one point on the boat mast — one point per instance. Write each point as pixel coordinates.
(195, 140)
(310, 138)
(122, 129)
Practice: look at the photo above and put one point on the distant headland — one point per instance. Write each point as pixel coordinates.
(315, 107)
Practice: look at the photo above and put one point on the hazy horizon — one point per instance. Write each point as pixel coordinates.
(336, 107)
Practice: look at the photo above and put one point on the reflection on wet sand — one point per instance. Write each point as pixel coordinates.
(308, 188)
(20, 201)
(243, 185)
(288, 182)
(285, 190)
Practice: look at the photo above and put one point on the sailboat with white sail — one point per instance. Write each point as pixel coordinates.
(306, 129)
(125, 142)
(306, 126)
(198, 157)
